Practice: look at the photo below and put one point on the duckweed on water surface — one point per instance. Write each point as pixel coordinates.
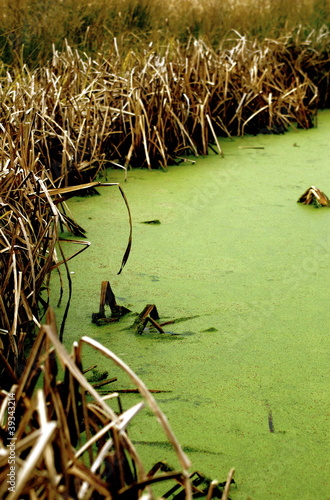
(250, 388)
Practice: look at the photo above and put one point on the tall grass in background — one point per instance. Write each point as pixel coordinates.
(29, 28)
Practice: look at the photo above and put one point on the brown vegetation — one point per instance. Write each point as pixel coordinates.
(81, 115)
(135, 84)
(32, 213)
(29, 28)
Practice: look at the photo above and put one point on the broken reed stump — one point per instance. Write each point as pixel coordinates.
(107, 297)
(149, 314)
(314, 196)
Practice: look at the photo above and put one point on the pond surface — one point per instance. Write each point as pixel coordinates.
(247, 380)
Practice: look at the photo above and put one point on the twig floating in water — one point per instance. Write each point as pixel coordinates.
(270, 421)
(153, 221)
(251, 147)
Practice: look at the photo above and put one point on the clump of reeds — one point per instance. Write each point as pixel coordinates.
(71, 442)
(151, 107)
(28, 234)
(32, 214)
(30, 220)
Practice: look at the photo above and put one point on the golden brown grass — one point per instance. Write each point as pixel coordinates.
(30, 27)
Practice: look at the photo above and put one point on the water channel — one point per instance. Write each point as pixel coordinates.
(246, 383)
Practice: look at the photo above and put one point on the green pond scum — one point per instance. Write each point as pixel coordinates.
(249, 268)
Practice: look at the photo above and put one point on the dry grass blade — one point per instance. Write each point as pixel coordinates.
(214, 135)
(30, 463)
(227, 486)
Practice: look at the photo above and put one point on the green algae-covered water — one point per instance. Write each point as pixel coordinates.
(246, 383)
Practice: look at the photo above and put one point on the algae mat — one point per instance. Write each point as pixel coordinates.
(248, 378)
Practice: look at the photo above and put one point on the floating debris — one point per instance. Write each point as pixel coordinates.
(270, 421)
(150, 314)
(99, 379)
(136, 391)
(108, 298)
(211, 329)
(271, 426)
(314, 196)
(154, 221)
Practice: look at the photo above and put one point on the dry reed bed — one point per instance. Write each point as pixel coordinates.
(29, 225)
(147, 109)
(69, 442)
(32, 213)
(28, 229)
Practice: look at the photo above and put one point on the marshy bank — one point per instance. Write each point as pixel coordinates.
(64, 123)
(244, 381)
